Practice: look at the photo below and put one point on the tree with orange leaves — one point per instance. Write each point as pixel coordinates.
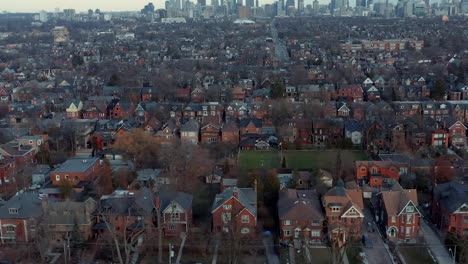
(139, 146)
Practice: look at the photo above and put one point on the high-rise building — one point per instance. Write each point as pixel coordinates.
(69, 14)
(201, 2)
(249, 3)
(149, 8)
(315, 6)
(43, 16)
(280, 7)
(215, 3)
(361, 3)
(289, 3)
(243, 12)
(300, 6)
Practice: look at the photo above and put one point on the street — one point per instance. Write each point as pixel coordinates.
(281, 51)
(270, 251)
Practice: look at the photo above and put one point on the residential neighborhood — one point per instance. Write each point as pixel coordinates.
(231, 132)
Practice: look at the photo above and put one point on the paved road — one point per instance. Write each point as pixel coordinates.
(377, 254)
(270, 250)
(280, 49)
(437, 248)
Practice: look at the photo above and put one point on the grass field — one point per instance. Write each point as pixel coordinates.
(259, 159)
(416, 255)
(299, 160)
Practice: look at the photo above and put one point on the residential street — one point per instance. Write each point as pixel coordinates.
(437, 248)
(377, 254)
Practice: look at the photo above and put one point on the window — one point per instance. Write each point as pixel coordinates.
(10, 229)
(76, 178)
(225, 229)
(363, 169)
(57, 177)
(374, 170)
(393, 219)
(227, 207)
(175, 216)
(300, 182)
(408, 231)
(171, 228)
(245, 219)
(333, 219)
(315, 222)
(465, 219)
(13, 210)
(226, 217)
(409, 209)
(66, 177)
(409, 219)
(245, 230)
(287, 222)
(465, 232)
(315, 233)
(288, 232)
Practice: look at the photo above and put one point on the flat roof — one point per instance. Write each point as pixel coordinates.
(76, 165)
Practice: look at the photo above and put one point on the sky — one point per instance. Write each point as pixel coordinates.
(31, 6)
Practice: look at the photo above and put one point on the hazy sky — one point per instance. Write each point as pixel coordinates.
(84, 5)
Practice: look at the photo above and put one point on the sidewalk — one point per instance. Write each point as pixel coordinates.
(432, 240)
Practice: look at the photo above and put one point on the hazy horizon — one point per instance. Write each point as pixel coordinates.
(34, 6)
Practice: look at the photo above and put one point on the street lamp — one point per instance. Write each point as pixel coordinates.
(454, 254)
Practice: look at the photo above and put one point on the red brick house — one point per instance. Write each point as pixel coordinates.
(118, 109)
(168, 132)
(7, 169)
(230, 133)
(235, 210)
(399, 213)
(457, 132)
(350, 93)
(440, 138)
(24, 155)
(18, 218)
(76, 170)
(210, 133)
(251, 126)
(327, 131)
(176, 210)
(302, 131)
(450, 208)
(300, 215)
(95, 110)
(189, 132)
(344, 210)
(376, 173)
(74, 109)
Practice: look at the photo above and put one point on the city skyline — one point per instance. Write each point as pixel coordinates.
(34, 6)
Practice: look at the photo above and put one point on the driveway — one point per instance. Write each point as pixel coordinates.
(270, 250)
(377, 254)
(432, 240)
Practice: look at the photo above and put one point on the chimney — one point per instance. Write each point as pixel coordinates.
(157, 202)
(235, 192)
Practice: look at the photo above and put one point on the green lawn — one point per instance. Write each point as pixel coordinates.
(315, 159)
(416, 255)
(299, 160)
(259, 159)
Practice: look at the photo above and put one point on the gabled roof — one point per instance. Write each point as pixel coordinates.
(299, 205)
(182, 199)
(28, 205)
(396, 201)
(190, 126)
(247, 197)
(451, 195)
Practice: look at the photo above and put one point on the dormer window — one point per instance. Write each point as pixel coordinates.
(13, 210)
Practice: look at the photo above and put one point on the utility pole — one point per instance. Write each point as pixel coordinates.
(65, 252)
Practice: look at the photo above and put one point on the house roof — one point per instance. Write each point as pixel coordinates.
(299, 205)
(451, 195)
(181, 198)
(28, 204)
(190, 126)
(246, 196)
(70, 212)
(396, 200)
(77, 165)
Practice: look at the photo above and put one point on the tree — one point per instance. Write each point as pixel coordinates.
(114, 80)
(459, 245)
(338, 167)
(185, 164)
(139, 146)
(439, 91)
(277, 89)
(66, 189)
(104, 182)
(77, 60)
